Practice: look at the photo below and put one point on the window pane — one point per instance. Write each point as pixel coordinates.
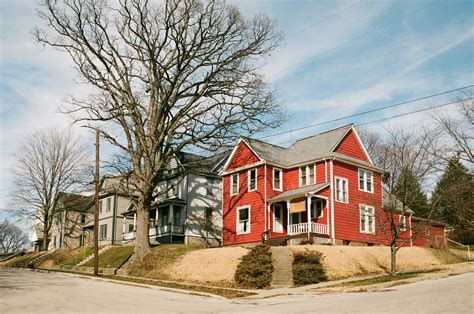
(361, 179)
(243, 214)
(303, 175)
(311, 174)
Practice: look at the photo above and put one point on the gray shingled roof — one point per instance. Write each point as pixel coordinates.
(304, 150)
(300, 191)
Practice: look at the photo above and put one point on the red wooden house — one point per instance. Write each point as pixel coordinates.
(324, 188)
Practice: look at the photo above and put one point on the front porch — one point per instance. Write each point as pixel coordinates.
(299, 214)
(166, 223)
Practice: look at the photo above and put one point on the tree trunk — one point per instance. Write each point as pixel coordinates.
(393, 260)
(142, 241)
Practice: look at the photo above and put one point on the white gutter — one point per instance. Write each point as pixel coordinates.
(331, 174)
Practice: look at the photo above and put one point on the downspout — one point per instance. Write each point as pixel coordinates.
(411, 232)
(114, 215)
(265, 203)
(186, 211)
(331, 175)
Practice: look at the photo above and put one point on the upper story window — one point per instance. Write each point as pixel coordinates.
(108, 205)
(209, 187)
(100, 206)
(366, 179)
(342, 194)
(103, 232)
(307, 175)
(252, 180)
(402, 222)
(243, 219)
(83, 218)
(234, 184)
(367, 219)
(277, 179)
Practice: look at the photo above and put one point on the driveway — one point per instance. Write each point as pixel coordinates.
(27, 291)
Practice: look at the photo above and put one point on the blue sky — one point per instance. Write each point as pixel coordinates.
(338, 58)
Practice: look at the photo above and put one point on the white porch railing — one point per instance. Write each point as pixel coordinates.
(155, 231)
(303, 228)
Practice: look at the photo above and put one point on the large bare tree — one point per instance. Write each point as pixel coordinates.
(12, 238)
(405, 156)
(168, 76)
(457, 126)
(48, 163)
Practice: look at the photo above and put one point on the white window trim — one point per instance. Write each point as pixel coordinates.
(256, 180)
(232, 184)
(367, 220)
(281, 179)
(274, 217)
(364, 188)
(237, 220)
(306, 169)
(400, 217)
(335, 190)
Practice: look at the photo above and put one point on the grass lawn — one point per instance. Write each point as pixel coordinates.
(20, 261)
(77, 255)
(113, 257)
(156, 264)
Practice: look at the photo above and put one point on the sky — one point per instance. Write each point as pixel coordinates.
(337, 58)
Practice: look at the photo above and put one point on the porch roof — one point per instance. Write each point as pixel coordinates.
(290, 194)
(161, 202)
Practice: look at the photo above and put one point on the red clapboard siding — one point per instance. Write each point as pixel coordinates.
(350, 146)
(230, 203)
(242, 156)
(428, 235)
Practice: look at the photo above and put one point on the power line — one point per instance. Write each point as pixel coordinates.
(367, 112)
(400, 115)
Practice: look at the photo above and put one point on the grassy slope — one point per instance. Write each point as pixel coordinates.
(445, 256)
(113, 257)
(156, 264)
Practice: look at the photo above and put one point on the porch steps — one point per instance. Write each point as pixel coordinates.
(282, 263)
(90, 257)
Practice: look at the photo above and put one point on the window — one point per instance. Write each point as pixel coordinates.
(403, 222)
(307, 175)
(277, 218)
(100, 206)
(277, 179)
(295, 218)
(341, 190)
(367, 219)
(176, 216)
(83, 218)
(317, 208)
(252, 180)
(107, 207)
(164, 217)
(209, 187)
(131, 228)
(234, 182)
(427, 232)
(243, 220)
(365, 180)
(208, 219)
(103, 232)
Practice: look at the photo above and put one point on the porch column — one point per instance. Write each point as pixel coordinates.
(171, 215)
(135, 222)
(308, 211)
(124, 224)
(156, 217)
(287, 217)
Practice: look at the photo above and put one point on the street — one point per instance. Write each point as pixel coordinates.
(27, 291)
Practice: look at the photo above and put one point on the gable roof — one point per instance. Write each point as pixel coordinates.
(314, 147)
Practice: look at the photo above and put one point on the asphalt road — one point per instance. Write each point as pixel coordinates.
(26, 291)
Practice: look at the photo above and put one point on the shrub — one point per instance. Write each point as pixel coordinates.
(255, 269)
(308, 268)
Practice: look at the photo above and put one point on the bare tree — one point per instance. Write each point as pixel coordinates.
(47, 164)
(177, 75)
(12, 238)
(458, 128)
(405, 156)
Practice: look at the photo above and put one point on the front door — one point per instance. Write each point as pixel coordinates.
(278, 218)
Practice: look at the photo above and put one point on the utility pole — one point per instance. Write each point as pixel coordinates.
(96, 211)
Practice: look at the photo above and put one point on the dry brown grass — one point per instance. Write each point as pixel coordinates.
(348, 261)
